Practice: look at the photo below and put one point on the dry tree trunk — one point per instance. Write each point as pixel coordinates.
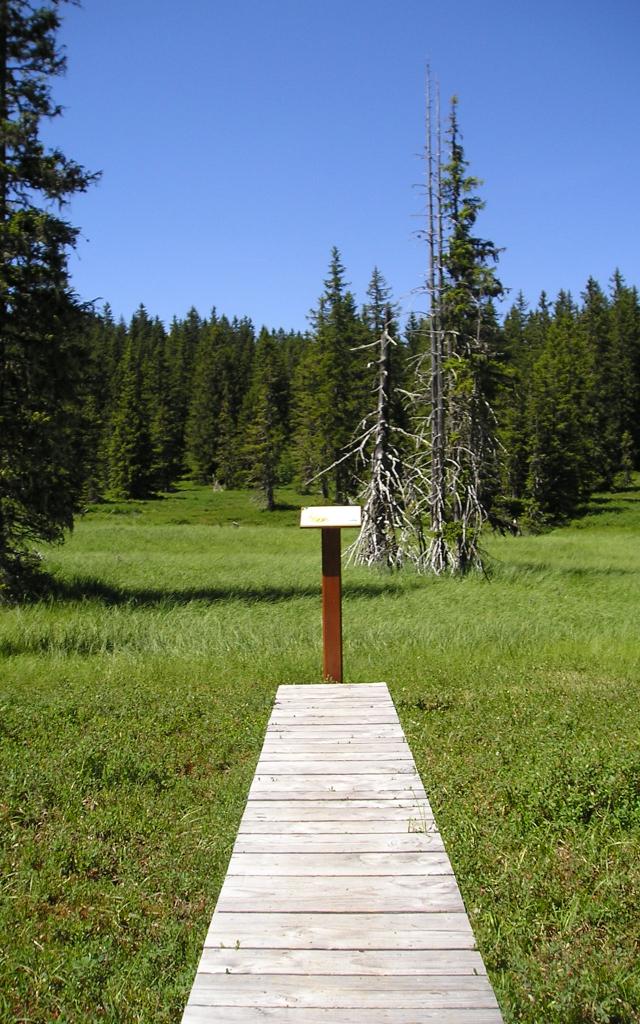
(449, 440)
(436, 554)
(383, 508)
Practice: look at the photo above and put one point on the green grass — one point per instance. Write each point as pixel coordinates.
(132, 711)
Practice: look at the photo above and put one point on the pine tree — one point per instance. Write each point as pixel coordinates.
(332, 401)
(609, 373)
(181, 346)
(625, 348)
(511, 404)
(264, 418)
(229, 443)
(207, 391)
(130, 452)
(561, 421)
(40, 361)
(456, 468)
(307, 448)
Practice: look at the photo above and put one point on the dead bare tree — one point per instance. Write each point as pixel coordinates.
(384, 520)
(453, 423)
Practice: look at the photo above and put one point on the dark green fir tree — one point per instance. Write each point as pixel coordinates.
(264, 418)
(40, 357)
(561, 420)
(207, 391)
(130, 451)
(330, 394)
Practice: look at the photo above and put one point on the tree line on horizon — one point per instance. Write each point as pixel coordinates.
(459, 418)
(217, 401)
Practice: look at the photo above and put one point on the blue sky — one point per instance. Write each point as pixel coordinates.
(239, 140)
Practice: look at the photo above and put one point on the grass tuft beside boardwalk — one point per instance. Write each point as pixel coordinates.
(132, 712)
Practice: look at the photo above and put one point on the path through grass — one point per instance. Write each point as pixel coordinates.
(132, 710)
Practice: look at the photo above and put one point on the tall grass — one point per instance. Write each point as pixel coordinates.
(132, 710)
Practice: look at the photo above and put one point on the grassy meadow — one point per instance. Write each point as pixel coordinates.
(133, 706)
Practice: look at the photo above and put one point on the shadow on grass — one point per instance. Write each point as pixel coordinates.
(599, 508)
(96, 590)
(620, 500)
(529, 570)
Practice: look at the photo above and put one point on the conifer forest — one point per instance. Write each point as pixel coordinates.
(234, 406)
(439, 423)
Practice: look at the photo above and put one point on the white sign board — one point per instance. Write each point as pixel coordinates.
(331, 515)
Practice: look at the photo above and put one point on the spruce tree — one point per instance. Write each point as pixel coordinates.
(40, 358)
(456, 469)
(307, 447)
(511, 404)
(609, 373)
(561, 420)
(264, 417)
(331, 403)
(130, 452)
(624, 329)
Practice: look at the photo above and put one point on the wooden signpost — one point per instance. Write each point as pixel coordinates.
(331, 519)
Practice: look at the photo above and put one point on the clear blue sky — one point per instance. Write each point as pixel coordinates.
(240, 139)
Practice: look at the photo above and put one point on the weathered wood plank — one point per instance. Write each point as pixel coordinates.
(342, 704)
(292, 691)
(431, 862)
(294, 720)
(341, 931)
(411, 810)
(287, 750)
(222, 960)
(361, 732)
(332, 753)
(304, 894)
(332, 787)
(310, 765)
(363, 828)
(392, 991)
(350, 1015)
(351, 701)
(384, 843)
(307, 780)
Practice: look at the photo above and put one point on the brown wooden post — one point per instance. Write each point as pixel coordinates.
(331, 605)
(329, 519)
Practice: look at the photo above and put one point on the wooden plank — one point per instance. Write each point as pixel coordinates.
(326, 748)
(332, 787)
(378, 714)
(308, 780)
(301, 724)
(334, 716)
(386, 843)
(293, 894)
(336, 766)
(222, 960)
(411, 811)
(324, 790)
(331, 751)
(341, 931)
(352, 700)
(359, 731)
(349, 1015)
(403, 827)
(362, 705)
(271, 864)
(291, 691)
(394, 992)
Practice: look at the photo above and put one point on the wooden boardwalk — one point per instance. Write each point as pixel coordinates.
(340, 905)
